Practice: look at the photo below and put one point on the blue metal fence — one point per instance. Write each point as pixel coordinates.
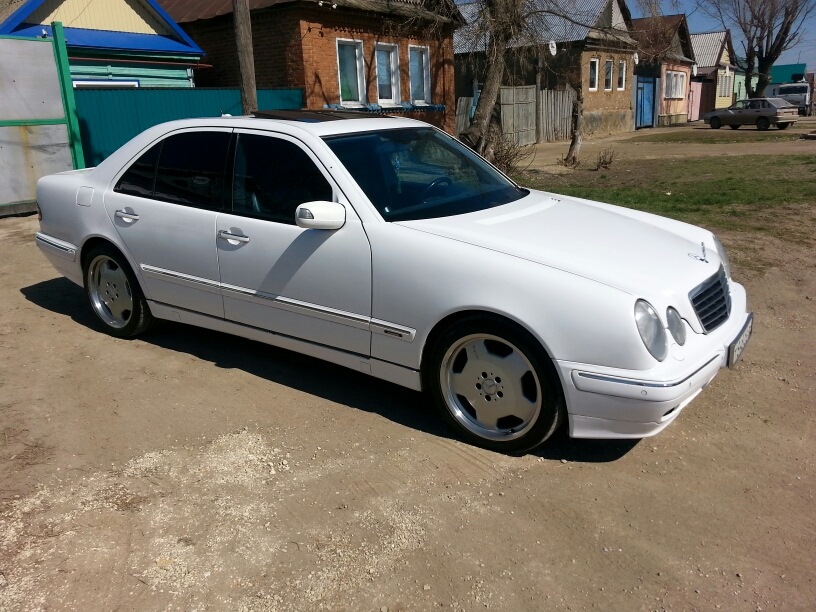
(108, 118)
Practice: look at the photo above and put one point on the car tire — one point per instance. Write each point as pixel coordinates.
(763, 124)
(782, 126)
(494, 385)
(715, 123)
(114, 293)
(735, 127)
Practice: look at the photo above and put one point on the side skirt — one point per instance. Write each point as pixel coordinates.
(400, 375)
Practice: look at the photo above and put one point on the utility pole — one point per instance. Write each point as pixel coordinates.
(246, 58)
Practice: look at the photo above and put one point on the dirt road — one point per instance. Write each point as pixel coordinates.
(189, 470)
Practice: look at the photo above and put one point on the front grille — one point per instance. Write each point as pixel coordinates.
(712, 301)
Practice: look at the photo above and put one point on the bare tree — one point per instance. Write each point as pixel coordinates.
(768, 28)
(503, 30)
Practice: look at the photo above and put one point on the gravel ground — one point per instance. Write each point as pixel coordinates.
(188, 470)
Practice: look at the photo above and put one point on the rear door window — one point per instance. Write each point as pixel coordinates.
(138, 179)
(191, 169)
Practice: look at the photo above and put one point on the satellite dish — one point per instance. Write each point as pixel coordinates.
(553, 48)
(694, 70)
(636, 58)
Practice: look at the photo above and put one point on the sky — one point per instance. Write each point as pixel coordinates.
(803, 53)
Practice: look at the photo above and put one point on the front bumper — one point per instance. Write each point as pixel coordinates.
(611, 403)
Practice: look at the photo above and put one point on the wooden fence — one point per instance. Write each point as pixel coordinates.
(556, 114)
(518, 112)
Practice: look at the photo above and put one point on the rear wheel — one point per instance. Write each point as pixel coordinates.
(735, 126)
(782, 126)
(763, 123)
(715, 123)
(114, 293)
(494, 385)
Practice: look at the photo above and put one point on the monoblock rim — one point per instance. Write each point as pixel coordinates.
(110, 291)
(490, 387)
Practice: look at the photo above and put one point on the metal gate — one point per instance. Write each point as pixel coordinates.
(39, 134)
(108, 118)
(644, 115)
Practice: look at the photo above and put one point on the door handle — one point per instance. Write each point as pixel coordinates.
(225, 235)
(127, 216)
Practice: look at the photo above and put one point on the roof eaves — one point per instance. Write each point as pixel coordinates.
(18, 16)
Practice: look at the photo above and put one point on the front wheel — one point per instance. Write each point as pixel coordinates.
(782, 126)
(494, 385)
(114, 293)
(763, 123)
(715, 123)
(735, 126)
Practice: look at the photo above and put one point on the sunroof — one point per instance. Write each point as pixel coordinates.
(315, 116)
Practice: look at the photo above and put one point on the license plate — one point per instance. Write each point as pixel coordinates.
(738, 345)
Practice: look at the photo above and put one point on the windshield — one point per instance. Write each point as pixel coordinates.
(795, 89)
(421, 173)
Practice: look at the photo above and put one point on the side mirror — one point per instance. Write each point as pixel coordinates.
(321, 215)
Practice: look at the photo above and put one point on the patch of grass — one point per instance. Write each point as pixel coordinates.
(770, 194)
(722, 136)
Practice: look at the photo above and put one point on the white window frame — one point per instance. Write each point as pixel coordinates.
(621, 75)
(361, 88)
(609, 66)
(86, 83)
(597, 63)
(426, 74)
(675, 88)
(393, 52)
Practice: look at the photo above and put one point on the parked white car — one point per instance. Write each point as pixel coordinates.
(386, 246)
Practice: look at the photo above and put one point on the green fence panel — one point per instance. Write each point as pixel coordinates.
(108, 118)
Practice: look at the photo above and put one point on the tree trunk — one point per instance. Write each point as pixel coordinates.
(577, 130)
(246, 58)
(476, 136)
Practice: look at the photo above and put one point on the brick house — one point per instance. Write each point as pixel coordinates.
(394, 56)
(593, 51)
(666, 53)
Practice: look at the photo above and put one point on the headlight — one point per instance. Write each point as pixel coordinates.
(676, 326)
(723, 256)
(651, 330)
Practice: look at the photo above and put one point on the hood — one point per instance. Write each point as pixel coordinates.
(645, 255)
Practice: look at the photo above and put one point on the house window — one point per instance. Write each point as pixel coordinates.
(593, 75)
(387, 73)
(725, 85)
(621, 75)
(608, 76)
(350, 69)
(420, 69)
(675, 87)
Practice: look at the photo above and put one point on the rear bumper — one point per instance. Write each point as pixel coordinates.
(62, 255)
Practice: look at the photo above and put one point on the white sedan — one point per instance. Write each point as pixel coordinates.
(386, 246)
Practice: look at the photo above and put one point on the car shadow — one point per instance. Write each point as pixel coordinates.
(307, 374)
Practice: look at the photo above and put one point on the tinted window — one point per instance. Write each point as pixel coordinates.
(138, 180)
(273, 177)
(420, 173)
(191, 169)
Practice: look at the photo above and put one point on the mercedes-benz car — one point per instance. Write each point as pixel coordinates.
(761, 112)
(386, 246)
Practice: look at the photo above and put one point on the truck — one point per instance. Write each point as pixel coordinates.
(798, 94)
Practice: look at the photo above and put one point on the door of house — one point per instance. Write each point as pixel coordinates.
(644, 115)
(695, 90)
